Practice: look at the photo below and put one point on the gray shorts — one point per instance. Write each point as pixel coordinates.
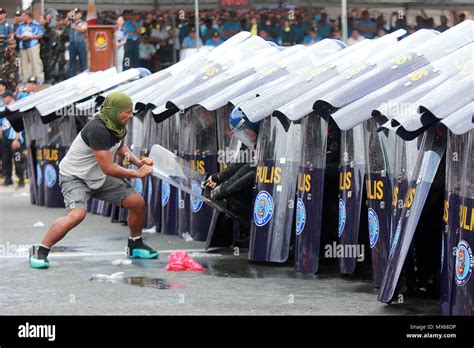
(76, 192)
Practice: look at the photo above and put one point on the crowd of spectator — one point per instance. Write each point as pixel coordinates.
(153, 39)
(33, 52)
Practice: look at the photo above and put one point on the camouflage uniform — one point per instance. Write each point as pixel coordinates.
(9, 68)
(58, 60)
(47, 44)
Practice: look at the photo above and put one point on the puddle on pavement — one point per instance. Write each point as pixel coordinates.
(242, 268)
(143, 282)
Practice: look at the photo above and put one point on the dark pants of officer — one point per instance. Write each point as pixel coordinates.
(132, 48)
(77, 49)
(9, 156)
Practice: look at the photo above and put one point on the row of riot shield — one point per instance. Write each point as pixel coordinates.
(47, 145)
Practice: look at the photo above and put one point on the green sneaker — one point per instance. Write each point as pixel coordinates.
(38, 257)
(138, 249)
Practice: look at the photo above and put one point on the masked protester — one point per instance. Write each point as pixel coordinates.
(88, 170)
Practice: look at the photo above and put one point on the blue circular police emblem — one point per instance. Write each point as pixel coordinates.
(464, 263)
(395, 238)
(139, 185)
(263, 208)
(300, 216)
(342, 217)
(374, 227)
(39, 175)
(50, 175)
(196, 203)
(165, 193)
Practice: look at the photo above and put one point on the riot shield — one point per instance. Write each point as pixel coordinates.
(432, 149)
(463, 287)
(198, 145)
(34, 133)
(351, 187)
(261, 65)
(401, 65)
(170, 193)
(375, 55)
(379, 154)
(284, 63)
(40, 135)
(278, 155)
(61, 133)
(215, 66)
(148, 140)
(406, 90)
(183, 175)
(310, 190)
(454, 155)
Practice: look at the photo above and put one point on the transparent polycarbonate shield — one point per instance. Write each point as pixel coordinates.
(460, 121)
(169, 194)
(303, 104)
(279, 155)
(182, 174)
(463, 288)
(308, 77)
(432, 150)
(412, 86)
(351, 187)
(34, 132)
(379, 154)
(397, 67)
(309, 194)
(450, 236)
(198, 145)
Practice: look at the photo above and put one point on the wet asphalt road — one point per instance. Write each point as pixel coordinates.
(231, 285)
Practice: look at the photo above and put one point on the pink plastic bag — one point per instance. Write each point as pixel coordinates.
(181, 261)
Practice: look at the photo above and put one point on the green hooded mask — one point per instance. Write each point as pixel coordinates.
(114, 104)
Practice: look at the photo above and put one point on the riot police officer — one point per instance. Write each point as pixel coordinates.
(235, 183)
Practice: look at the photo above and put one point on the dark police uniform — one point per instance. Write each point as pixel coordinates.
(235, 185)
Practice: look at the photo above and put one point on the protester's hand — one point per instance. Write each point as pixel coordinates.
(144, 170)
(146, 161)
(15, 144)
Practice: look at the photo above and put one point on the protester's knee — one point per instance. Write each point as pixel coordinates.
(134, 202)
(77, 215)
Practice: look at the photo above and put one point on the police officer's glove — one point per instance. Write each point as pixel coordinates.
(216, 193)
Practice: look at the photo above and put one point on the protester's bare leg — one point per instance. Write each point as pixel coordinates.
(63, 225)
(136, 213)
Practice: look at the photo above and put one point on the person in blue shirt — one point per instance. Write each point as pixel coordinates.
(298, 29)
(312, 37)
(77, 42)
(13, 148)
(6, 34)
(215, 40)
(28, 34)
(366, 26)
(190, 41)
(132, 48)
(324, 28)
(230, 27)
